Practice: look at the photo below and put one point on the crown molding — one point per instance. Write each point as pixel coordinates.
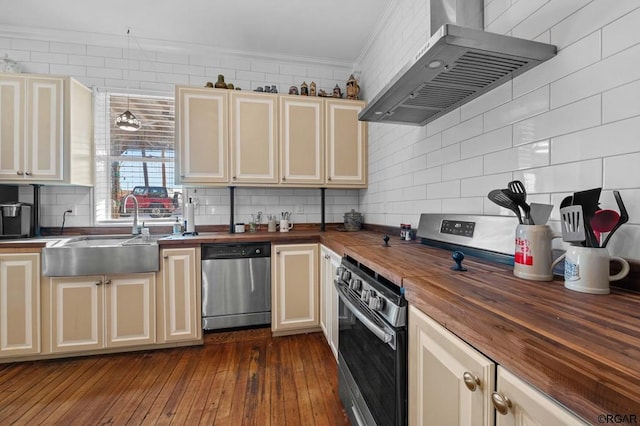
(167, 46)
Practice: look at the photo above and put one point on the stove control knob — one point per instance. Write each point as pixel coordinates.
(366, 294)
(376, 303)
(345, 275)
(355, 284)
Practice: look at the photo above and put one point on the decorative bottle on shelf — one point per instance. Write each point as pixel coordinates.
(220, 84)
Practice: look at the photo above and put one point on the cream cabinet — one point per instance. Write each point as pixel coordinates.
(346, 144)
(329, 263)
(46, 131)
(302, 140)
(179, 310)
(96, 312)
(519, 404)
(254, 138)
(19, 304)
(294, 303)
(201, 132)
(450, 383)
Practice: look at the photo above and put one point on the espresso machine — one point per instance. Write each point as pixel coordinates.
(16, 220)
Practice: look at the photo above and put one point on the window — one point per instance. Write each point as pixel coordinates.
(139, 163)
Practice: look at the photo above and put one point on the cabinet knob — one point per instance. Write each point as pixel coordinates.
(471, 381)
(284, 178)
(329, 178)
(107, 281)
(99, 283)
(234, 177)
(165, 257)
(277, 251)
(28, 173)
(19, 172)
(501, 402)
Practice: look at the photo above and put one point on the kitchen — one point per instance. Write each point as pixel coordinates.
(546, 127)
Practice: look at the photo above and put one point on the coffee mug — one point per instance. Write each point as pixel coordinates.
(586, 269)
(285, 226)
(533, 258)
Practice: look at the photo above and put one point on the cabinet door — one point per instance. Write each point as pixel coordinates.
(201, 135)
(254, 136)
(301, 140)
(130, 310)
(329, 262)
(12, 126)
(77, 316)
(528, 406)
(179, 297)
(295, 296)
(450, 383)
(346, 144)
(19, 304)
(45, 112)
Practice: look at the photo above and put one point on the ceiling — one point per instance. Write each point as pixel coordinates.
(335, 31)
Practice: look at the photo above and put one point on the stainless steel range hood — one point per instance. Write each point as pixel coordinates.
(456, 65)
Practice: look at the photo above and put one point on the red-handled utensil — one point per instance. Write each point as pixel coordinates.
(604, 221)
(624, 217)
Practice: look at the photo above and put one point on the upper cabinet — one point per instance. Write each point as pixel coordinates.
(302, 140)
(46, 130)
(202, 140)
(346, 144)
(227, 137)
(254, 138)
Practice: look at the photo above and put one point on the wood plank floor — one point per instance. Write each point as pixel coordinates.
(236, 378)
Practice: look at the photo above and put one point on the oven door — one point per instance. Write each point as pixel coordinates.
(372, 358)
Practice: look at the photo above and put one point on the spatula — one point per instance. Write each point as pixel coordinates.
(519, 196)
(500, 197)
(624, 217)
(572, 224)
(540, 213)
(589, 201)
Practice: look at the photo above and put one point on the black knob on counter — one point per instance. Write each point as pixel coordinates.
(458, 257)
(386, 240)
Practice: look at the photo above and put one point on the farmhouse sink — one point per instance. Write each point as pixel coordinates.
(100, 255)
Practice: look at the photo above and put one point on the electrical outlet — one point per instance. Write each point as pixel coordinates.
(72, 210)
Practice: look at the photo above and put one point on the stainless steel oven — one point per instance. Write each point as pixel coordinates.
(372, 348)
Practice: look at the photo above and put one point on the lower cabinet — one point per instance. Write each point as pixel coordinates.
(294, 304)
(19, 304)
(179, 295)
(95, 312)
(518, 404)
(450, 383)
(329, 262)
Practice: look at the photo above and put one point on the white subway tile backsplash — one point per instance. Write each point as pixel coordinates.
(574, 57)
(49, 58)
(488, 142)
(546, 17)
(611, 72)
(480, 186)
(449, 189)
(617, 138)
(188, 69)
(94, 61)
(445, 122)
(621, 102)
(494, 9)
(510, 18)
(622, 171)
(104, 72)
(570, 118)
(498, 96)
(465, 130)
(564, 177)
(621, 34)
(521, 157)
(106, 52)
(445, 155)
(74, 70)
(32, 45)
(520, 108)
(590, 18)
(462, 169)
(71, 48)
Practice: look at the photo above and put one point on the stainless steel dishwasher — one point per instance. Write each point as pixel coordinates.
(236, 285)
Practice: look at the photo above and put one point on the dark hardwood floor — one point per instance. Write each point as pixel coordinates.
(236, 378)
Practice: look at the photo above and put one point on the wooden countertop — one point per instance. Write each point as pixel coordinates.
(583, 350)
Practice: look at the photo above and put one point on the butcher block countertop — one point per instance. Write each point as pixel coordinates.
(583, 350)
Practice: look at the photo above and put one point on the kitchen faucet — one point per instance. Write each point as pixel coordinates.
(134, 228)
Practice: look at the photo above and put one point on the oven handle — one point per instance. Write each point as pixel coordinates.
(379, 332)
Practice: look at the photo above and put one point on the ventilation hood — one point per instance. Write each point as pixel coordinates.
(456, 65)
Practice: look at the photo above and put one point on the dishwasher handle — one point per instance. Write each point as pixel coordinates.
(235, 250)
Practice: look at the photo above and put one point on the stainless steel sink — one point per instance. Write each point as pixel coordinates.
(101, 254)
